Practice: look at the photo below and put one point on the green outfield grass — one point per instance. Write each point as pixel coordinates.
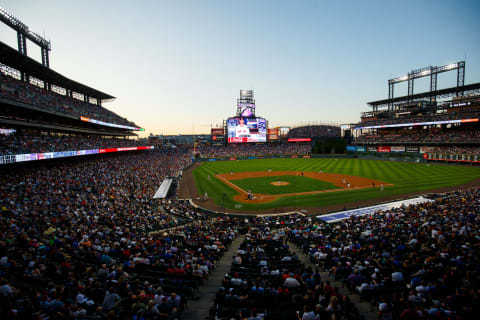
(295, 184)
(405, 176)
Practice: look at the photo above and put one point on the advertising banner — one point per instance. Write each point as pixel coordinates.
(217, 131)
(397, 149)
(71, 153)
(384, 149)
(426, 149)
(361, 149)
(299, 139)
(412, 149)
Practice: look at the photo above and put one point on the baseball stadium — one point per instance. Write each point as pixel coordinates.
(252, 218)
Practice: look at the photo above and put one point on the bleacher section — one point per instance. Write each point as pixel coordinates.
(29, 94)
(322, 131)
(268, 280)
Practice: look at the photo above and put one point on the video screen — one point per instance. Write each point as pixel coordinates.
(247, 110)
(242, 129)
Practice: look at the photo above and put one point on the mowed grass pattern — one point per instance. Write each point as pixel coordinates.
(295, 184)
(405, 176)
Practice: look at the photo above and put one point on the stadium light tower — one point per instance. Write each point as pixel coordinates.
(424, 72)
(24, 33)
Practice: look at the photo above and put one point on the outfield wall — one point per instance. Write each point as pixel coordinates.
(410, 157)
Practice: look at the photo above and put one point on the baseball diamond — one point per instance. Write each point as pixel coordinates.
(365, 177)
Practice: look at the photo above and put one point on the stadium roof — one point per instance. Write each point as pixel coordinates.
(14, 59)
(442, 93)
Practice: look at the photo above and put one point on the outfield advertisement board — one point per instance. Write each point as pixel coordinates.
(217, 132)
(361, 149)
(384, 149)
(397, 149)
(278, 156)
(412, 149)
(426, 149)
(272, 134)
(218, 136)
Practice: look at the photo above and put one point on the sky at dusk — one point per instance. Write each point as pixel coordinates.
(178, 66)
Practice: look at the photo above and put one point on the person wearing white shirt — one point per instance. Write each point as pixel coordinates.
(291, 282)
(241, 130)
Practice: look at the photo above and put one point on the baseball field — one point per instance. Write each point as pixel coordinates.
(280, 185)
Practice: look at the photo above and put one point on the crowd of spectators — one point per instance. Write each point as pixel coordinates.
(416, 262)
(242, 150)
(86, 239)
(33, 142)
(454, 150)
(435, 135)
(268, 281)
(315, 131)
(20, 91)
(458, 114)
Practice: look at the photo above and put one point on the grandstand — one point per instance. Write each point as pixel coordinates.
(442, 125)
(315, 131)
(46, 115)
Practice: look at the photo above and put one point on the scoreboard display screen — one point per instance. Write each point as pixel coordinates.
(243, 129)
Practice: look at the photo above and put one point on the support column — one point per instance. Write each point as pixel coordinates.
(433, 83)
(45, 58)
(390, 94)
(460, 77)
(22, 48)
(410, 86)
(22, 43)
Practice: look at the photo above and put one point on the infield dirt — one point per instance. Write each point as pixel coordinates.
(344, 182)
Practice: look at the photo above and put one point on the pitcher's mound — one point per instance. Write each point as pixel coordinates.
(279, 183)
